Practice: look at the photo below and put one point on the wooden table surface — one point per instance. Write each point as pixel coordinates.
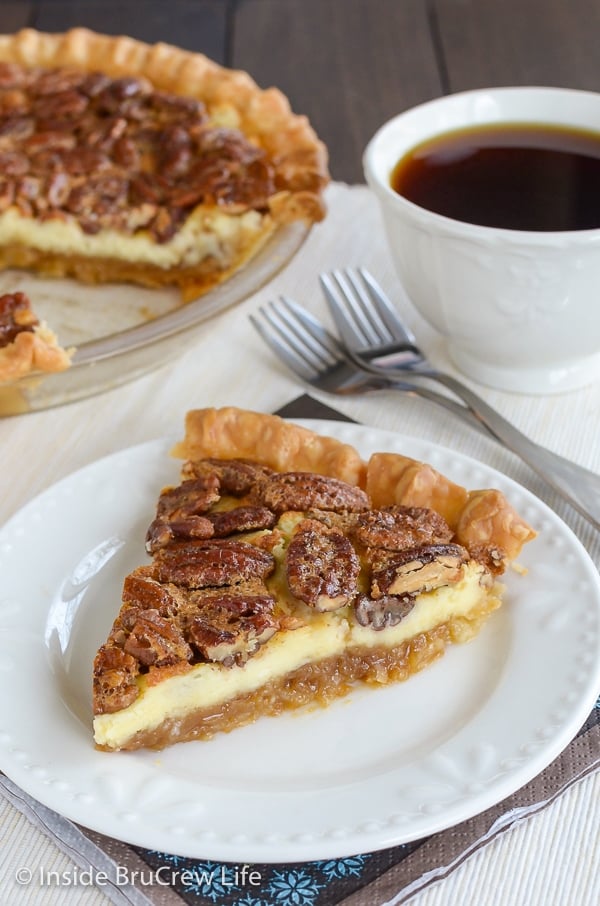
(351, 64)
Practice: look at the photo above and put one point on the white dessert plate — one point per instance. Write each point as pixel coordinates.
(376, 769)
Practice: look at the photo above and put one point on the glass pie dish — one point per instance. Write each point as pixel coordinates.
(120, 331)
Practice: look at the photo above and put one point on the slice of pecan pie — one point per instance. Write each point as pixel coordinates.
(283, 570)
(26, 345)
(121, 161)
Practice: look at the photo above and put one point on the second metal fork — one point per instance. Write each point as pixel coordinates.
(375, 336)
(317, 357)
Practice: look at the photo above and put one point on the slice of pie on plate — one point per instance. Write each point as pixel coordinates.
(26, 345)
(283, 570)
(121, 161)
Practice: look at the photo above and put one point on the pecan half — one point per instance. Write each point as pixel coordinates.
(322, 569)
(143, 592)
(115, 684)
(236, 477)
(397, 527)
(231, 627)
(45, 82)
(419, 569)
(15, 128)
(242, 519)
(67, 104)
(383, 612)
(155, 641)
(13, 163)
(179, 513)
(161, 532)
(305, 490)
(202, 564)
(190, 498)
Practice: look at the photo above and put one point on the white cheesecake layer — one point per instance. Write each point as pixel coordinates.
(206, 233)
(207, 685)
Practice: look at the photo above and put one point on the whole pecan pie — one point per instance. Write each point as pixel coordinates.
(121, 161)
(283, 570)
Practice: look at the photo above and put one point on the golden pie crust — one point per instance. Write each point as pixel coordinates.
(284, 570)
(232, 433)
(297, 159)
(34, 348)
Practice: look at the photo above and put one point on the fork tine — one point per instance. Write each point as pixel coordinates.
(355, 307)
(378, 328)
(311, 331)
(351, 331)
(296, 337)
(386, 311)
(271, 336)
(355, 314)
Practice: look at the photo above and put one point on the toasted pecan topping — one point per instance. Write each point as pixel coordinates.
(306, 490)
(232, 626)
(115, 687)
(126, 156)
(492, 557)
(16, 316)
(162, 624)
(218, 525)
(237, 477)
(380, 613)
(322, 569)
(201, 564)
(143, 592)
(240, 600)
(155, 641)
(242, 519)
(397, 527)
(419, 569)
(179, 512)
(162, 533)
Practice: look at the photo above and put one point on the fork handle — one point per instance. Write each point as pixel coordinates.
(579, 486)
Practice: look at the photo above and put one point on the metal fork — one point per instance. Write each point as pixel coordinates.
(317, 357)
(375, 336)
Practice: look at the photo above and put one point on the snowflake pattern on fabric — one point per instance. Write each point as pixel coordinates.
(342, 868)
(307, 884)
(249, 900)
(168, 857)
(207, 879)
(294, 888)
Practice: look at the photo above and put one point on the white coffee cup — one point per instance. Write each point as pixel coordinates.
(520, 310)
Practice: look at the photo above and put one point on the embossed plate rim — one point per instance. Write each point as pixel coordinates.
(154, 800)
